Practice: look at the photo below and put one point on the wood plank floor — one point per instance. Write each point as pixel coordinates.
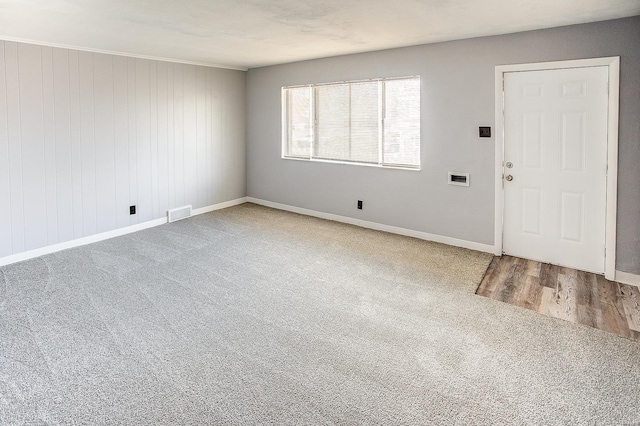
(556, 291)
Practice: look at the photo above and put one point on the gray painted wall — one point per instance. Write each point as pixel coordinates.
(457, 97)
(85, 135)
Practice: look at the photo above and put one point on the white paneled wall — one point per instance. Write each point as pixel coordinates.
(83, 136)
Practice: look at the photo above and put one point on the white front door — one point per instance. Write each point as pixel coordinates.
(555, 166)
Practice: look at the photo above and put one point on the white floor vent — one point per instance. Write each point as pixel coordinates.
(179, 213)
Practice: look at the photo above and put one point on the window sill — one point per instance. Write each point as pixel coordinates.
(351, 163)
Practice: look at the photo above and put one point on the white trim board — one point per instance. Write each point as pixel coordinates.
(612, 147)
(627, 278)
(218, 206)
(117, 53)
(377, 226)
(19, 257)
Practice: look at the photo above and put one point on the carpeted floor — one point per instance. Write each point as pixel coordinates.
(255, 316)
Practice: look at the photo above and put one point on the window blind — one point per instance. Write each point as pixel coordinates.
(368, 122)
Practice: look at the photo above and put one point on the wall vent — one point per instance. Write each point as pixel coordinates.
(179, 213)
(460, 179)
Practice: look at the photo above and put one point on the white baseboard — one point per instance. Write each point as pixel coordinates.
(218, 206)
(19, 257)
(378, 226)
(627, 278)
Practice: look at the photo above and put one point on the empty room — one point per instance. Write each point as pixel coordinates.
(420, 212)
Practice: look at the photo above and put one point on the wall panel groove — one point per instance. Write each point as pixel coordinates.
(76, 157)
(50, 152)
(15, 148)
(6, 242)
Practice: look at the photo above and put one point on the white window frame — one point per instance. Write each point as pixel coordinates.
(314, 120)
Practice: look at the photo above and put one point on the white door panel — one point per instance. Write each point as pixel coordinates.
(555, 138)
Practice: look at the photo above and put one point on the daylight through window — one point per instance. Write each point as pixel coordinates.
(364, 122)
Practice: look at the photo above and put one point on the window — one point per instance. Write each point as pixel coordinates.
(364, 122)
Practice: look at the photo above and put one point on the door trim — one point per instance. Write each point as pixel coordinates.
(613, 63)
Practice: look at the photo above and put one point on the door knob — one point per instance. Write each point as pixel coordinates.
(509, 178)
(509, 164)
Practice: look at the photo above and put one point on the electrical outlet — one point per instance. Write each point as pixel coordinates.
(359, 204)
(132, 210)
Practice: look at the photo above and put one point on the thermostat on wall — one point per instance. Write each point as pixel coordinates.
(460, 179)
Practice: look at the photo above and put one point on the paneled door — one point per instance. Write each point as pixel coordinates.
(555, 166)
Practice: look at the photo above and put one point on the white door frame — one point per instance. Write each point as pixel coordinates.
(612, 147)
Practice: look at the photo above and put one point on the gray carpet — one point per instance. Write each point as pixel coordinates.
(255, 316)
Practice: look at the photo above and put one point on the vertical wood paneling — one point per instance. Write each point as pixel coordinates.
(170, 138)
(15, 149)
(201, 137)
(208, 156)
(5, 183)
(76, 148)
(50, 154)
(62, 124)
(133, 137)
(32, 145)
(163, 130)
(143, 143)
(216, 138)
(190, 135)
(178, 113)
(87, 144)
(104, 101)
(121, 139)
(83, 136)
(224, 130)
(153, 127)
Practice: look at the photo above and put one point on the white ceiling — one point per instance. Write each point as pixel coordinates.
(252, 33)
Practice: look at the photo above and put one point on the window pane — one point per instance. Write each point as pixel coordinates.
(365, 122)
(333, 122)
(348, 122)
(402, 122)
(299, 121)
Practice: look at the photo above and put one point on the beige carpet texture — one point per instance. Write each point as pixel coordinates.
(252, 316)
